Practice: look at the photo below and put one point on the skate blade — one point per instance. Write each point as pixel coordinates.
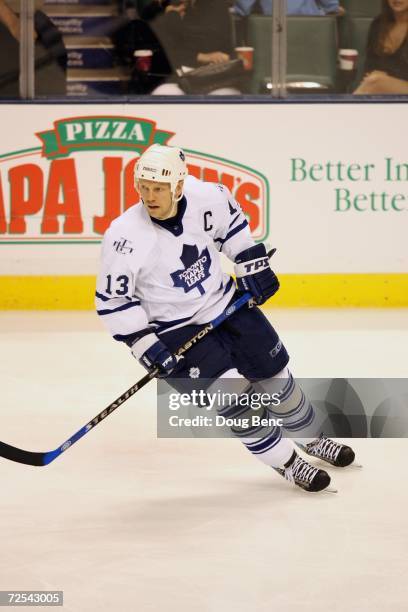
(329, 490)
(355, 465)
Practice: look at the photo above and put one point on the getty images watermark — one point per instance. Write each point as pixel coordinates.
(201, 413)
(343, 407)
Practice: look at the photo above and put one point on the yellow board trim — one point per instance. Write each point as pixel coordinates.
(47, 292)
(338, 290)
(297, 290)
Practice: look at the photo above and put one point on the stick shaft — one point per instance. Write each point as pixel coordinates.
(32, 458)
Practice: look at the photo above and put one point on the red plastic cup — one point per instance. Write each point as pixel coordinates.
(247, 56)
(143, 59)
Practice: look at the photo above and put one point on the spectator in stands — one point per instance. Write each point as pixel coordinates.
(9, 19)
(200, 34)
(149, 9)
(50, 54)
(294, 7)
(386, 64)
(135, 33)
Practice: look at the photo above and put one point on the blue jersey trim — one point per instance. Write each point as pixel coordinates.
(118, 309)
(162, 325)
(232, 233)
(125, 337)
(174, 225)
(104, 298)
(234, 221)
(228, 285)
(130, 339)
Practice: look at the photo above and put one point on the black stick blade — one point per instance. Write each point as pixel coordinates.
(21, 456)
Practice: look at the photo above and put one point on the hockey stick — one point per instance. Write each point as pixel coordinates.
(32, 458)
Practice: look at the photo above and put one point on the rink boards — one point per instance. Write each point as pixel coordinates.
(325, 185)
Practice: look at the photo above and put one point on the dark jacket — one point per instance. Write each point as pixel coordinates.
(205, 28)
(395, 64)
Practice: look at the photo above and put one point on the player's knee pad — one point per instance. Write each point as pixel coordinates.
(288, 401)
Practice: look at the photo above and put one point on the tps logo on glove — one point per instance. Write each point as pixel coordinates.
(254, 266)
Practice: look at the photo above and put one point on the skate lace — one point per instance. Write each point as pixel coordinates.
(327, 448)
(300, 471)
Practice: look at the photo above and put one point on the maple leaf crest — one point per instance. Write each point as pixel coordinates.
(196, 269)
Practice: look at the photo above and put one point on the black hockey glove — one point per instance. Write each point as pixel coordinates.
(254, 273)
(152, 353)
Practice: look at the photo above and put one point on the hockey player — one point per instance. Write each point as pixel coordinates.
(160, 280)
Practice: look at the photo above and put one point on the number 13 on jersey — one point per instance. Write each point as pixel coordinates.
(118, 286)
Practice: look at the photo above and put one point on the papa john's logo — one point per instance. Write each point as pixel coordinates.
(80, 177)
(196, 269)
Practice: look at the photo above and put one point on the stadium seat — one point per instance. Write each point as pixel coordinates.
(312, 50)
(239, 30)
(362, 8)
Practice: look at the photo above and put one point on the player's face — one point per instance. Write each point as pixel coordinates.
(156, 198)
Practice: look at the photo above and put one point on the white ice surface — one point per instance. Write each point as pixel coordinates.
(126, 522)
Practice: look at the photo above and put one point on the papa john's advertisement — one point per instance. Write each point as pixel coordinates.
(67, 171)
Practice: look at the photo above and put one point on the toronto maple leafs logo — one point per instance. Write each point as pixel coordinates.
(196, 269)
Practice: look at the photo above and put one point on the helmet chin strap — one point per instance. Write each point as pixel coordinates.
(173, 210)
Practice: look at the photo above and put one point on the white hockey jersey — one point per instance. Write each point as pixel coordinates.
(167, 274)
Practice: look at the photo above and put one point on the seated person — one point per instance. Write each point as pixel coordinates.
(149, 9)
(50, 54)
(199, 35)
(386, 65)
(135, 34)
(294, 7)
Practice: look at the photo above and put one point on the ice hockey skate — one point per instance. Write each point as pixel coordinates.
(330, 451)
(299, 472)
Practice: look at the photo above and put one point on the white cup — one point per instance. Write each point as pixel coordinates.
(348, 59)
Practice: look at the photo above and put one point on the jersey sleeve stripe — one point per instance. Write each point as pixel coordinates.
(165, 324)
(118, 309)
(102, 297)
(125, 337)
(235, 230)
(228, 285)
(234, 220)
(232, 233)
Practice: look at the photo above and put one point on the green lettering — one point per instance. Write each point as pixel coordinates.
(361, 197)
(399, 197)
(342, 196)
(353, 172)
(388, 169)
(298, 165)
(315, 168)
